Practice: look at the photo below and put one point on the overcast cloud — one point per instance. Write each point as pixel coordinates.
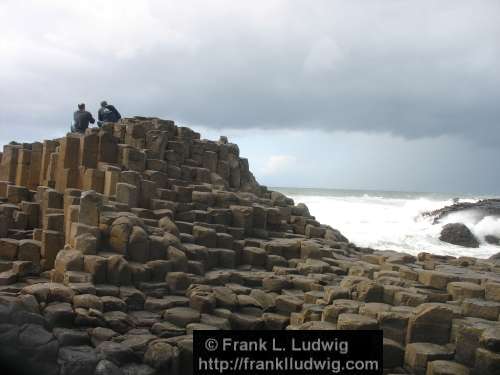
(413, 70)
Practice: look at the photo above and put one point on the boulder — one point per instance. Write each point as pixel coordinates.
(492, 240)
(458, 234)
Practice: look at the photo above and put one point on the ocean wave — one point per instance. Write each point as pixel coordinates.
(396, 223)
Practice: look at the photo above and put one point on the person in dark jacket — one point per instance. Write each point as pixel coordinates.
(107, 113)
(81, 119)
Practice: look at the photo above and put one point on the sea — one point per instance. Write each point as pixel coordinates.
(387, 220)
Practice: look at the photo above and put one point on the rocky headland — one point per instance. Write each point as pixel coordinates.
(116, 245)
(484, 207)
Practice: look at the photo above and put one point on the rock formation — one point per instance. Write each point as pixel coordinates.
(484, 207)
(116, 245)
(458, 234)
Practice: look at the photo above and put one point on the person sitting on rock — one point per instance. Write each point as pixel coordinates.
(107, 113)
(81, 119)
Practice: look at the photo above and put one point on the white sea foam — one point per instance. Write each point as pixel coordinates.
(386, 222)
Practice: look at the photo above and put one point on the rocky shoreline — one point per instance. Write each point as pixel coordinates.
(484, 207)
(458, 233)
(116, 245)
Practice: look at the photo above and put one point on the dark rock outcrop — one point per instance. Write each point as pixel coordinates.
(492, 240)
(458, 234)
(484, 207)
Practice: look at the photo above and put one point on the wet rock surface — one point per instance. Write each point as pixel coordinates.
(485, 206)
(458, 234)
(116, 245)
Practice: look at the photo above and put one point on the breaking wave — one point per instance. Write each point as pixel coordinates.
(393, 220)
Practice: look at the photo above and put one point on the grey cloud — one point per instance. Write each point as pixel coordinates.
(413, 69)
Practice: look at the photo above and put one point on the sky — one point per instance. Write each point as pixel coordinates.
(384, 95)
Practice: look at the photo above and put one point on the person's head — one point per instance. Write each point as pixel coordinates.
(104, 103)
(81, 106)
